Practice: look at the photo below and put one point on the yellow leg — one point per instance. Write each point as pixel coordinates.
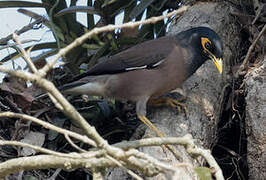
(147, 122)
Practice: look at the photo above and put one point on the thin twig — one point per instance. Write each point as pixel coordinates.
(25, 54)
(73, 144)
(53, 177)
(134, 175)
(37, 148)
(47, 125)
(13, 45)
(245, 62)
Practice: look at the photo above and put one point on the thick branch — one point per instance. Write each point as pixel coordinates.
(49, 161)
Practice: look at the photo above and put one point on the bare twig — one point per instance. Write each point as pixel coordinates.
(9, 45)
(53, 177)
(245, 62)
(209, 158)
(36, 148)
(25, 54)
(73, 144)
(47, 125)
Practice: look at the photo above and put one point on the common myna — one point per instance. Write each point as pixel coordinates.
(150, 69)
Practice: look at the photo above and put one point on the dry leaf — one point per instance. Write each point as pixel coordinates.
(34, 138)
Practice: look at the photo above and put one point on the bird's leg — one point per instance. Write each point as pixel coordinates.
(147, 122)
(176, 104)
(141, 112)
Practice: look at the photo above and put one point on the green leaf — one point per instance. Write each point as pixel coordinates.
(98, 54)
(74, 9)
(140, 8)
(161, 5)
(33, 15)
(104, 107)
(91, 46)
(112, 41)
(127, 11)
(73, 3)
(29, 13)
(159, 29)
(16, 4)
(30, 177)
(204, 173)
(119, 7)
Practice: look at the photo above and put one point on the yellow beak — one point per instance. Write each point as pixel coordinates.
(218, 62)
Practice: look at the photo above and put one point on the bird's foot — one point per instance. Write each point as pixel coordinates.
(176, 104)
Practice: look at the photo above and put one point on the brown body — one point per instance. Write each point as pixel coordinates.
(126, 85)
(157, 81)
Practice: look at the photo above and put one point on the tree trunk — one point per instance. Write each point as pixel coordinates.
(256, 121)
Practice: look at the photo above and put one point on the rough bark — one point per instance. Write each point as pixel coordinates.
(256, 121)
(202, 90)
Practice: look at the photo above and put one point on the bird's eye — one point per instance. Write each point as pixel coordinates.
(208, 45)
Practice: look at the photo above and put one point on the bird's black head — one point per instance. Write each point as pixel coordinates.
(204, 44)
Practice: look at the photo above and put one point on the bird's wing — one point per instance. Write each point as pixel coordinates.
(147, 55)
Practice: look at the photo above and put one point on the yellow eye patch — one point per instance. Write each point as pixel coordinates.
(205, 40)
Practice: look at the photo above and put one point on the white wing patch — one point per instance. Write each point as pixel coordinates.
(145, 66)
(158, 63)
(135, 68)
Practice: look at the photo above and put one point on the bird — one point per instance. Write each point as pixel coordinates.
(150, 69)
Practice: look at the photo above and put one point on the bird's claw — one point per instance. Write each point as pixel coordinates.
(177, 105)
